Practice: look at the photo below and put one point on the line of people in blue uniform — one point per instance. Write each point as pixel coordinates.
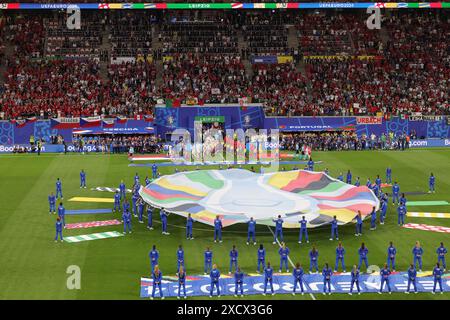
(298, 271)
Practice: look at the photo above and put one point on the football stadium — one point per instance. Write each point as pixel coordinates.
(192, 150)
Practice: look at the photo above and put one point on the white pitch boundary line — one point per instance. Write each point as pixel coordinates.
(289, 258)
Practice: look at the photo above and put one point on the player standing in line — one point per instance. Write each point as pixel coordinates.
(157, 277)
(163, 216)
(62, 214)
(441, 252)
(52, 203)
(59, 188)
(355, 280)
(303, 230)
(391, 253)
(383, 210)
(116, 201)
(82, 179)
(417, 253)
(363, 251)
(141, 210)
(189, 224)
(238, 282)
(126, 218)
(217, 229)
(369, 183)
(268, 278)
(395, 193)
(313, 260)
(147, 181)
(251, 232)
(431, 183)
(154, 257)
(298, 278)
(233, 259)
(215, 276)
(134, 200)
(437, 274)
(401, 212)
(154, 171)
(261, 258)
(59, 228)
(180, 258)
(208, 260)
(388, 175)
(122, 190)
(359, 224)
(334, 229)
(126, 206)
(284, 254)
(357, 182)
(278, 229)
(349, 177)
(181, 282)
(412, 273)
(136, 179)
(373, 219)
(403, 200)
(340, 252)
(149, 217)
(311, 165)
(326, 273)
(384, 273)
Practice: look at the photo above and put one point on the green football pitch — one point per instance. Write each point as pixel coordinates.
(33, 266)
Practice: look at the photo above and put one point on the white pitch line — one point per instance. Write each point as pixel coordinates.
(289, 259)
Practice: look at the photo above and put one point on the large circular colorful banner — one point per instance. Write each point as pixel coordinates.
(236, 195)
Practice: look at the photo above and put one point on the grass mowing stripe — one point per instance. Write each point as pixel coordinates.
(426, 203)
(289, 259)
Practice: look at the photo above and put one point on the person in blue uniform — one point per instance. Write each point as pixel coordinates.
(238, 282)
(62, 214)
(126, 218)
(147, 181)
(383, 210)
(341, 177)
(251, 231)
(268, 279)
(181, 282)
(163, 216)
(355, 280)
(313, 260)
(359, 224)
(363, 251)
(334, 229)
(311, 165)
(278, 229)
(431, 183)
(417, 255)
(189, 227)
(141, 210)
(59, 229)
(136, 179)
(403, 200)
(134, 200)
(215, 277)
(441, 252)
(303, 230)
(401, 213)
(233, 259)
(378, 182)
(126, 206)
(157, 279)
(52, 203)
(149, 217)
(349, 177)
(82, 179)
(180, 258)
(59, 188)
(384, 273)
(388, 175)
(373, 219)
(208, 260)
(217, 229)
(261, 256)
(369, 183)
(298, 278)
(154, 257)
(122, 190)
(154, 171)
(395, 193)
(376, 190)
(357, 182)
(412, 274)
(437, 278)
(284, 255)
(391, 253)
(116, 201)
(340, 252)
(326, 273)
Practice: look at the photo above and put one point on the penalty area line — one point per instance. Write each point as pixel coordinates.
(289, 259)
